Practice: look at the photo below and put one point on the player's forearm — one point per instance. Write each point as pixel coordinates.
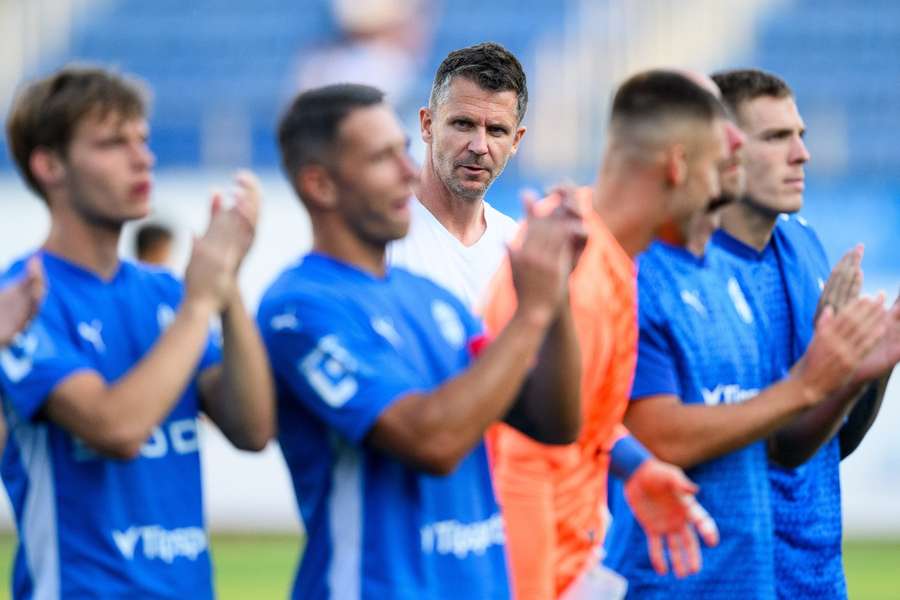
(117, 419)
(549, 407)
(799, 439)
(435, 430)
(862, 416)
(689, 434)
(238, 395)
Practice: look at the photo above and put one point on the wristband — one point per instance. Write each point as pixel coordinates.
(627, 455)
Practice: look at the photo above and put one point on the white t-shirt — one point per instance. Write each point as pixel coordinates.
(431, 251)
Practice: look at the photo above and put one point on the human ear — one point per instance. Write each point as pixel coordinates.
(676, 166)
(315, 184)
(425, 122)
(47, 167)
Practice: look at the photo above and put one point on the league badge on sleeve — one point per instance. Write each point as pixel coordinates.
(331, 371)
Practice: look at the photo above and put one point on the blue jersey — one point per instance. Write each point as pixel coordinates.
(91, 526)
(700, 341)
(806, 501)
(344, 345)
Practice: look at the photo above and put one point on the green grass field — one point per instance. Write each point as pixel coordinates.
(261, 567)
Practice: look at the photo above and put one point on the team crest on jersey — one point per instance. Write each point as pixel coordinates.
(740, 301)
(165, 314)
(93, 334)
(449, 323)
(693, 300)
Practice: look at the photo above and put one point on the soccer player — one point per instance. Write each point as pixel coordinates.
(661, 164)
(153, 244)
(696, 399)
(382, 409)
(472, 126)
(784, 259)
(103, 390)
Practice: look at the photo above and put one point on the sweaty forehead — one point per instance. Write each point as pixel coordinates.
(467, 98)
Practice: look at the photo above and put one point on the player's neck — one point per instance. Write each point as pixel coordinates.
(94, 247)
(344, 245)
(745, 222)
(673, 235)
(620, 200)
(462, 217)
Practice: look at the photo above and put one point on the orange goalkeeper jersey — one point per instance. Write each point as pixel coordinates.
(554, 497)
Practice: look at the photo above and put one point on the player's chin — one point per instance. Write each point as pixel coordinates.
(138, 207)
(471, 188)
(395, 230)
(790, 203)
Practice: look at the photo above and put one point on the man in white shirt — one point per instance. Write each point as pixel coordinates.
(471, 127)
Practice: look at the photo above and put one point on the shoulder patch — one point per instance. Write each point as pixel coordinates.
(331, 371)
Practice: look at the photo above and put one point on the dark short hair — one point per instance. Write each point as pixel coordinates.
(658, 95)
(742, 85)
(149, 236)
(309, 127)
(489, 65)
(46, 112)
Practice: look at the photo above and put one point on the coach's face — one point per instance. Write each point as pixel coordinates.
(774, 153)
(471, 135)
(373, 174)
(105, 174)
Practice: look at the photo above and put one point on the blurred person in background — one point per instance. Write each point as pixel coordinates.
(385, 386)
(697, 400)
(783, 257)
(103, 389)
(661, 164)
(383, 43)
(153, 244)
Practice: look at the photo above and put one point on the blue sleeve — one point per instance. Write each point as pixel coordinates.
(655, 372)
(333, 363)
(37, 361)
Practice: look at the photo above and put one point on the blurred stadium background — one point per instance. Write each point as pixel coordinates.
(221, 70)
